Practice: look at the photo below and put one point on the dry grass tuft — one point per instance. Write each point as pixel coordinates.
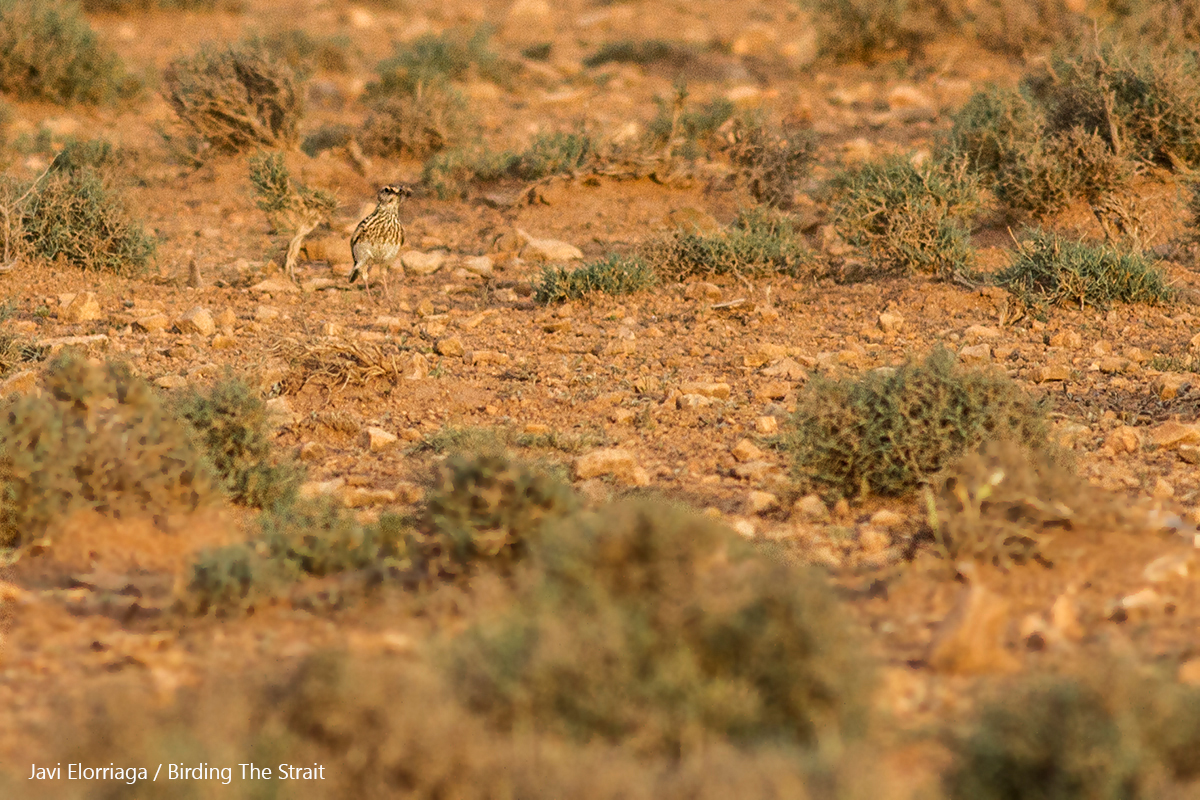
(335, 365)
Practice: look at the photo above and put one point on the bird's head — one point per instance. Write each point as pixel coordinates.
(393, 193)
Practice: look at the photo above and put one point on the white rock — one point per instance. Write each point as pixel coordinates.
(621, 464)
(377, 439)
(548, 249)
(197, 320)
(479, 265)
(417, 263)
(83, 307)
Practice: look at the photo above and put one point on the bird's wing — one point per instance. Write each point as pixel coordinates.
(358, 232)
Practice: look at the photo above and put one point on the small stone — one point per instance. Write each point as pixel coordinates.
(693, 220)
(744, 527)
(841, 509)
(417, 263)
(1169, 384)
(757, 502)
(977, 333)
(745, 450)
(223, 342)
(811, 508)
(275, 286)
(1162, 490)
(1171, 565)
(197, 320)
(266, 313)
(537, 429)
(621, 464)
(83, 307)
(1111, 365)
(1064, 618)
(21, 382)
(452, 347)
(890, 323)
(908, 97)
(971, 638)
(975, 354)
(486, 357)
(685, 401)
(377, 439)
(171, 382)
(717, 391)
(1053, 372)
(548, 249)
(156, 321)
(1189, 453)
(1189, 672)
(756, 39)
(1124, 440)
(313, 451)
(766, 425)
(362, 497)
(1068, 339)
(280, 413)
(417, 369)
(1170, 435)
(786, 368)
(479, 265)
(1147, 599)
(226, 319)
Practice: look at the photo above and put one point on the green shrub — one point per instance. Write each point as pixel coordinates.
(908, 218)
(234, 577)
(1003, 502)
(1050, 269)
(429, 119)
(48, 52)
(283, 200)
(1055, 739)
(436, 59)
(232, 426)
(98, 438)
(887, 432)
(772, 161)
(761, 242)
(682, 130)
(235, 99)
(304, 52)
(73, 213)
(487, 508)
(1144, 103)
(449, 174)
(657, 626)
(614, 275)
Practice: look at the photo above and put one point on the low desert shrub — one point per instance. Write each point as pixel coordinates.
(761, 242)
(304, 52)
(888, 431)
(1056, 738)
(235, 99)
(292, 208)
(97, 438)
(682, 130)
(435, 60)
(49, 52)
(450, 174)
(1003, 502)
(75, 214)
(1050, 269)
(615, 275)
(772, 161)
(487, 509)
(908, 217)
(656, 626)
(428, 119)
(232, 426)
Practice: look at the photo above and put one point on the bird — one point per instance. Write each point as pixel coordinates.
(378, 238)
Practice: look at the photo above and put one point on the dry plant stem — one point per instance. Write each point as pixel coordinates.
(10, 256)
(297, 241)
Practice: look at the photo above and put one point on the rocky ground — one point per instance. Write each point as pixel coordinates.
(682, 390)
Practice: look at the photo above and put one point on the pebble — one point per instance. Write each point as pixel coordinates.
(621, 464)
(811, 508)
(82, 307)
(377, 440)
(197, 320)
(417, 263)
(746, 450)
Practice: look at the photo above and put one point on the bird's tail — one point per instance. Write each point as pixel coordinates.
(356, 272)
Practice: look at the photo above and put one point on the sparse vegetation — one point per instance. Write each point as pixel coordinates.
(680, 130)
(643, 52)
(656, 625)
(429, 119)
(772, 161)
(761, 242)
(887, 432)
(234, 99)
(1050, 269)
(73, 213)
(614, 275)
(449, 174)
(908, 217)
(487, 508)
(98, 438)
(292, 208)
(232, 427)
(49, 52)
(1003, 502)
(304, 52)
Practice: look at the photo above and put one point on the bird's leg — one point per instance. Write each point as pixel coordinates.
(386, 291)
(366, 281)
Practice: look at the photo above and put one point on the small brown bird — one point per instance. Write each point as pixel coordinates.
(378, 238)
